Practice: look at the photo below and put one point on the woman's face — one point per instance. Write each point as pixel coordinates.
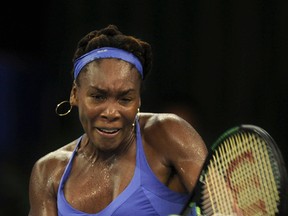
(107, 97)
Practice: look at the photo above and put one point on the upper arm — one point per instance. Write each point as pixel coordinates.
(186, 151)
(42, 194)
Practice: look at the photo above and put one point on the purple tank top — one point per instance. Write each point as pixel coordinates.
(144, 196)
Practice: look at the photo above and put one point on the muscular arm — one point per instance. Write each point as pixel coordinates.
(179, 146)
(44, 182)
(187, 153)
(42, 196)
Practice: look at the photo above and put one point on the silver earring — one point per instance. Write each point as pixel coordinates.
(136, 117)
(60, 104)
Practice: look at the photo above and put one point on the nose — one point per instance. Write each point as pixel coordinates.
(110, 112)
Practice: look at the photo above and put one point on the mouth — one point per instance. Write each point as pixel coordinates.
(108, 131)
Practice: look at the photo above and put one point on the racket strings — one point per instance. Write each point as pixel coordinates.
(240, 176)
(266, 194)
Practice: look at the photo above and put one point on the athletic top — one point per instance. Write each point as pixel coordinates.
(144, 196)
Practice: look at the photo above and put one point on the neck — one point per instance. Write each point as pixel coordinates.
(93, 154)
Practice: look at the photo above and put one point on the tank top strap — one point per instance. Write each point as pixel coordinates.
(69, 165)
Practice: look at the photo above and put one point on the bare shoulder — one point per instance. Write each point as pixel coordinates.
(49, 168)
(45, 178)
(150, 119)
(168, 124)
(60, 155)
(166, 129)
(171, 142)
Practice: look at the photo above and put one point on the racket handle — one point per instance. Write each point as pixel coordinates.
(192, 210)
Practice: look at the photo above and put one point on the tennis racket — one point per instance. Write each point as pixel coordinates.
(244, 174)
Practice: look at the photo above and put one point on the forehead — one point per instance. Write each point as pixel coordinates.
(110, 72)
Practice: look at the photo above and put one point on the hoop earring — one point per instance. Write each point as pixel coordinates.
(60, 104)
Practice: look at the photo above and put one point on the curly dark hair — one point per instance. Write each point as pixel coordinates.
(110, 36)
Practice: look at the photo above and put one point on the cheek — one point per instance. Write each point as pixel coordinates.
(86, 113)
(131, 115)
(82, 116)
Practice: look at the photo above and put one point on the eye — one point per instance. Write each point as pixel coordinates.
(125, 100)
(98, 97)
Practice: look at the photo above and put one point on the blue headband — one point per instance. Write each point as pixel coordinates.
(106, 52)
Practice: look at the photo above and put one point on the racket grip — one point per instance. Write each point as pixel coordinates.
(192, 210)
(195, 211)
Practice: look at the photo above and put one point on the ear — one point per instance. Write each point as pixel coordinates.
(73, 95)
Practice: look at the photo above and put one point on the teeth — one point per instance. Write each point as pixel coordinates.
(108, 130)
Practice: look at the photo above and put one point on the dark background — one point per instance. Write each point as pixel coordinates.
(223, 61)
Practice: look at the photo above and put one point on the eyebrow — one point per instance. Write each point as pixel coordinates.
(103, 91)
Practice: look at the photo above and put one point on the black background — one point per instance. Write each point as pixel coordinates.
(225, 61)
